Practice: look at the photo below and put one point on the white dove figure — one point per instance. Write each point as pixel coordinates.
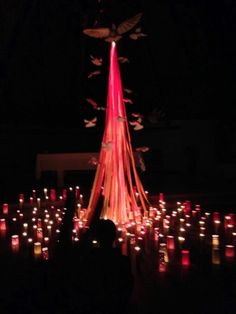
(128, 100)
(137, 34)
(142, 149)
(114, 33)
(127, 90)
(96, 61)
(123, 59)
(94, 104)
(137, 115)
(137, 124)
(90, 123)
(94, 73)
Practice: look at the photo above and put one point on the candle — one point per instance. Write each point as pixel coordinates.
(229, 251)
(77, 192)
(45, 254)
(164, 250)
(170, 242)
(37, 249)
(15, 242)
(3, 226)
(216, 256)
(215, 240)
(39, 234)
(38, 202)
(216, 216)
(52, 195)
(162, 263)
(5, 208)
(185, 257)
(45, 192)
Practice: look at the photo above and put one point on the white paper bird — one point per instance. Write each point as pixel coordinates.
(94, 104)
(142, 149)
(137, 115)
(114, 33)
(128, 101)
(127, 90)
(137, 34)
(137, 125)
(123, 59)
(94, 73)
(96, 61)
(90, 123)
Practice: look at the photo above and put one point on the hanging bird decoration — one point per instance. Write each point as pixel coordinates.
(123, 60)
(113, 33)
(128, 101)
(96, 61)
(90, 123)
(137, 34)
(127, 90)
(138, 122)
(94, 73)
(94, 104)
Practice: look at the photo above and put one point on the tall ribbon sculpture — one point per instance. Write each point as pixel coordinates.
(116, 174)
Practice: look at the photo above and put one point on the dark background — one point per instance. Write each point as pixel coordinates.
(184, 69)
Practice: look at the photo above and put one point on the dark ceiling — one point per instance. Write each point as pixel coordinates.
(185, 67)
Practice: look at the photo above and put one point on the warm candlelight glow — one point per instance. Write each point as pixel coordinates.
(185, 257)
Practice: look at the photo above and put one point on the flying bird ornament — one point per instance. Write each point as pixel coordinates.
(137, 125)
(90, 123)
(94, 73)
(123, 60)
(137, 34)
(128, 101)
(113, 33)
(96, 61)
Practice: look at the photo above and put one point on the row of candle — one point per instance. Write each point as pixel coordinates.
(167, 230)
(37, 222)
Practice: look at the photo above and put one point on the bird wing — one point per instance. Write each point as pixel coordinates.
(92, 102)
(101, 32)
(128, 24)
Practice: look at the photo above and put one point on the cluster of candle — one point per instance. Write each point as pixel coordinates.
(174, 233)
(165, 234)
(34, 225)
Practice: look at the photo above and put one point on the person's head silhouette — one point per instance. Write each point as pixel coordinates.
(105, 232)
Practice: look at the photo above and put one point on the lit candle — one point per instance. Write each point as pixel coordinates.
(5, 209)
(39, 234)
(38, 202)
(37, 249)
(64, 194)
(3, 226)
(45, 192)
(15, 242)
(185, 257)
(52, 195)
(216, 216)
(170, 242)
(77, 192)
(164, 250)
(216, 256)
(162, 263)
(229, 251)
(45, 254)
(215, 240)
